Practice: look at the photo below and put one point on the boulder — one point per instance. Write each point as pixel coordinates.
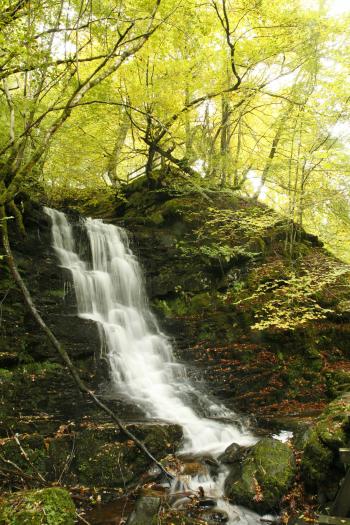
(145, 511)
(232, 454)
(50, 506)
(321, 468)
(262, 477)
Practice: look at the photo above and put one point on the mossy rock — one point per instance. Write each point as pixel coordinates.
(337, 382)
(320, 461)
(102, 454)
(317, 461)
(106, 458)
(33, 446)
(103, 463)
(51, 506)
(263, 476)
(145, 511)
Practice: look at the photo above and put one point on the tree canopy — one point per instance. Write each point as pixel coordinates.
(250, 96)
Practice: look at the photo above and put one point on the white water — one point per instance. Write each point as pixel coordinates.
(110, 291)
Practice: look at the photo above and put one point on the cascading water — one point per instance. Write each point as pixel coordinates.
(110, 291)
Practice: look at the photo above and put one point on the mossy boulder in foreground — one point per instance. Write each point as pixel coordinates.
(263, 477)
(51, 506)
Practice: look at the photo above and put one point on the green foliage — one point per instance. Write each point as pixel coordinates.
(252, 98)
(51, 506)
(294, 300)
(227, 235)
(237, 225)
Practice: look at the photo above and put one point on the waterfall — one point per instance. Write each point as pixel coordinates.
(109, 290)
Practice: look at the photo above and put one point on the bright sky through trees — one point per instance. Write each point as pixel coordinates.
(338, 7)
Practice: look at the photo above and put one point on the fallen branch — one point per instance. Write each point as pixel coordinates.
(26, 457)
(16, 471)
(59, 348)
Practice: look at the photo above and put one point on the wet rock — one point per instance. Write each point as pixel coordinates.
(206, 503)
(194, 469)
(215, 517)
(8, 359)
(232, 454)
(263, 477)
(51, 506)
(52, 292)
(145, 511)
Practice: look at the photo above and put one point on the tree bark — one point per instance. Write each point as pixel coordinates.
(121, 134)
(224, 139)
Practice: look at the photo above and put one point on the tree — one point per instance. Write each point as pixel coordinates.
(42, 92)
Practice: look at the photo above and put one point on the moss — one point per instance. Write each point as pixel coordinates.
(101, 456)
(155, 218)
(263, 477)
(59, 294)
(337, 382)
(38, 368)
(5, 375)
(61, 452)
(331, 431)
(178, 207)
(101, 462)
(51, 506)
(35, 450)
(316, 461)
(105, 458)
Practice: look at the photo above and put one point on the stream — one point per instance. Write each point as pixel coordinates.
(110, 291)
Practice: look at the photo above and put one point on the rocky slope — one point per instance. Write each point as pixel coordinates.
(215, 269)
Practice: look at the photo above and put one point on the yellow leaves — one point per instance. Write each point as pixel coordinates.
(292, 301)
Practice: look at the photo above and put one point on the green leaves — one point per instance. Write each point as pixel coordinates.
(300, 297)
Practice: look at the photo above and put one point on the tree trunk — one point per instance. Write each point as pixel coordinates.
(121, 135)
(225, 139)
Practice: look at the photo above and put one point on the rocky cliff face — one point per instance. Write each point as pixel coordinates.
(33, 383)
(65, 438)
(214, 269)
(51, 290)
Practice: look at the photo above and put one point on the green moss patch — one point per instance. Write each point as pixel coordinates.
(51, 506)
(263, 477)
